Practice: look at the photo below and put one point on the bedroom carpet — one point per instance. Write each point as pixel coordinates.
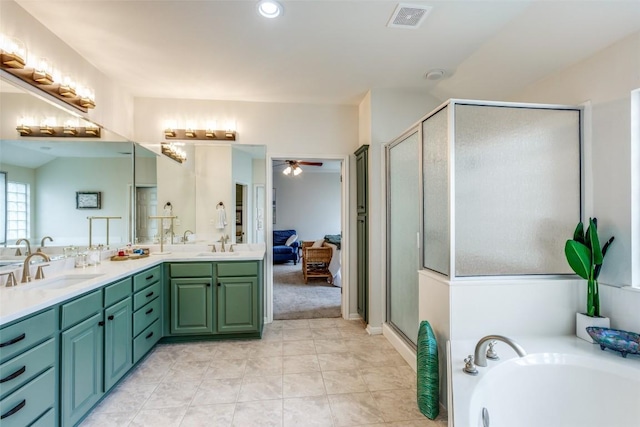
(292, 299)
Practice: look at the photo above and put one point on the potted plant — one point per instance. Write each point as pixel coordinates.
(585, 257)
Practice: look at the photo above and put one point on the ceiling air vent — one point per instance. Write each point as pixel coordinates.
(408, 16)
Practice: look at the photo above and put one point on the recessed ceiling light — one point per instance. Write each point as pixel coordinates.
(435, 74)
(269, 8)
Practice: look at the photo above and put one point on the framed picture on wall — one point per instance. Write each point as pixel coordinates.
(88, 200)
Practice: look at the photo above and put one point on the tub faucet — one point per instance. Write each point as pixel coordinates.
(42, 243)
(480, 354)
(26, 241)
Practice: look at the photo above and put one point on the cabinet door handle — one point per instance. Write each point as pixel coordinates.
(149, 335)
(101, 323)
(150, 294)
(149, 311)
(13, 341)
(149, 277)
(14, 410)
(110, 317)
(219, 284)
(16, 374)
(208, 285)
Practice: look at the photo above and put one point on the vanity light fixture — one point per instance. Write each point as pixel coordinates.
(47, 130)
(200, 134)
(174, 152)
(40, 74)
(13, 54)
(68, 130)
(23, 130)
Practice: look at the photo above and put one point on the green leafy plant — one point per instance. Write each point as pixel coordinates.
(585, 257)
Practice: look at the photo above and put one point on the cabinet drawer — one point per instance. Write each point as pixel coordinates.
(47, 420)
(17, 371)
(26, 404)
(227, 269)
(18, 337)
(145, 316)
(147, 277)
(146, 340)
(80, 309)
(146, 295)
(202, 269)
(117, 292)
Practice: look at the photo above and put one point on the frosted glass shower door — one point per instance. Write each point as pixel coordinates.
(403, 226)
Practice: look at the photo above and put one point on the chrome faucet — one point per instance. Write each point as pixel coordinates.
(480, 354)
(42, 243)
(26, 277)
(185, 235)
(26, 241)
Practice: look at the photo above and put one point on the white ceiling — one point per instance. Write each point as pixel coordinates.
(332, 52)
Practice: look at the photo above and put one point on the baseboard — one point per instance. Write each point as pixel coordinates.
(354, 316)
(407, 353)
(374, 330)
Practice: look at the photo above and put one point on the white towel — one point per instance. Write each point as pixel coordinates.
(222, 217)
(166, 223)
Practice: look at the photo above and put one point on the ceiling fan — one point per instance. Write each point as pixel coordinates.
(293, 166)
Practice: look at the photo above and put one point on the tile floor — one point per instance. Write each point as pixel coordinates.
(317, 372)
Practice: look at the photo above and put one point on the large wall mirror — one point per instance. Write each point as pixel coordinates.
(214, 177)
(43, 180)
(51, 185)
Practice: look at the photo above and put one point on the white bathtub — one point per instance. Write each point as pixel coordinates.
(584, 389)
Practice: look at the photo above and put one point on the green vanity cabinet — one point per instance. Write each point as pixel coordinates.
(96, 347)
(190, 298)
(81, 366)
(191, 306)
(147, 311)
(28, 372)
(239, 301)
(118, 357)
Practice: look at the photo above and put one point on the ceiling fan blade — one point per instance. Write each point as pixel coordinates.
(310, 163)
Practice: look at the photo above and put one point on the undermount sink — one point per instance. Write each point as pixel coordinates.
(57, 282)
(217, 254)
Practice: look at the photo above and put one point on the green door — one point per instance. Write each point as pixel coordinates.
(238, 301)
(81, 368)
(362, 265)
(117, 342)
(191, 306)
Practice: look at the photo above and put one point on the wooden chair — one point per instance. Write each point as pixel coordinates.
(315, 261)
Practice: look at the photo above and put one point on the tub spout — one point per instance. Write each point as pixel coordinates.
(480, 355)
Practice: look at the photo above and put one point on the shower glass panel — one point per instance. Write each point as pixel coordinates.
(403, 226)
(435, 163)
(517, 189)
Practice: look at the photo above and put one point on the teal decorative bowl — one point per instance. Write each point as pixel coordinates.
(615, 339)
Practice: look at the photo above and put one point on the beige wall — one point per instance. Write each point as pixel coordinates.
(604, 81)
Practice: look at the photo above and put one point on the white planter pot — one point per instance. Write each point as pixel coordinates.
(582, 321)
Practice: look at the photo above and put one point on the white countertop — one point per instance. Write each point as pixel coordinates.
(27, 298)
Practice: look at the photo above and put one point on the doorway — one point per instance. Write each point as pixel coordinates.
(313, 203)
(241, 214)
(146, 206)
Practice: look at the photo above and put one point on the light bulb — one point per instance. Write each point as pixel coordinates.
(287, 171)
(297, 171)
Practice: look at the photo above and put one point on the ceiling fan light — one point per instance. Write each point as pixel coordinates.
(287, 170)
(297, 171)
